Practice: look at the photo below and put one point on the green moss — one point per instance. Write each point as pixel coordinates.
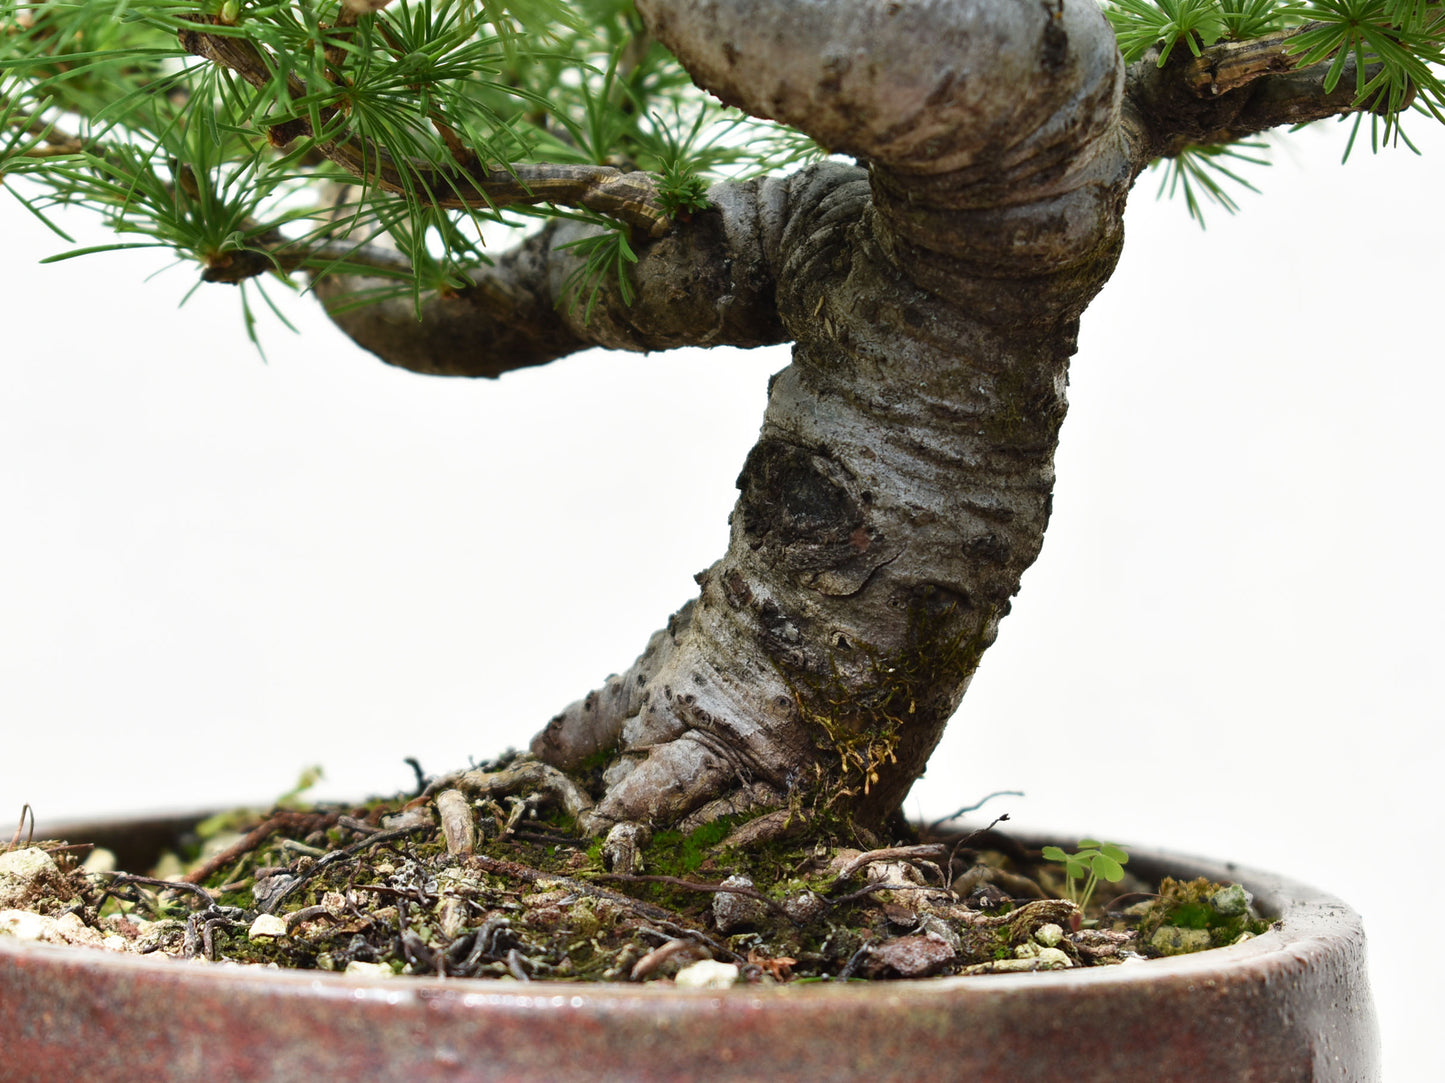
(674, 853)
(859, 719)
(1191, 905)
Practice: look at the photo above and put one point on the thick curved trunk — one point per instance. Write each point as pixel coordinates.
(901, 482)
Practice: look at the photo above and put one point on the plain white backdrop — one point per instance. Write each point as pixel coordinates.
(215, 571)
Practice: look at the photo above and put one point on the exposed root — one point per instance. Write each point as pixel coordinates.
(522, 776)
(592, 727)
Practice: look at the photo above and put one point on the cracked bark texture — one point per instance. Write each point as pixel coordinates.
(902, 480)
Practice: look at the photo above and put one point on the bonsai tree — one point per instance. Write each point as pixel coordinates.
(902, 480)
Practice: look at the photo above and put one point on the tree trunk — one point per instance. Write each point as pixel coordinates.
(902, 480)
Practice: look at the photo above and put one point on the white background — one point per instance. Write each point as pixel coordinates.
(214, 570)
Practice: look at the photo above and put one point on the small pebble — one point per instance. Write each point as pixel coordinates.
(707, 974)
(1230, 900)
(1049, 935)
(804, 907)
(732, 911)
(24, 925)
(369, 970)
(458, 827)
(267, 925)
(26, 875)
(99, 860)
(1172, 940)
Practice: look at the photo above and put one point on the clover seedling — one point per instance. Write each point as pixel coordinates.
(1094, 860)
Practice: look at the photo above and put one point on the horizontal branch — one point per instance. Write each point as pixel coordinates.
(627, 197)
(277, 253)
(708, 282)
(1229, 92)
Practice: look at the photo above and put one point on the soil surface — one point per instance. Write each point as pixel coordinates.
(449, 885)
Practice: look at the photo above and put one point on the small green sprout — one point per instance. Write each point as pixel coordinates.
(1094, 860)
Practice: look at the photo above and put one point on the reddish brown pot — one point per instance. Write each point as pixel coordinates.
(1293, 1004)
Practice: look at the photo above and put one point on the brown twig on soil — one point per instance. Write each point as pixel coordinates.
(123, 878)
(657, 956)
(966, 839)
(25, 810)
(278, 821)
(335, 857)
(309, 913)
(893, 853)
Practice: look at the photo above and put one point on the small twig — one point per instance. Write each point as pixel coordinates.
(308, 914)
(421, 779)
(628, 197)
(255, 837)
(361, 827)
(25, 811)
(458, 828)
(966, 839)
(123, 878)
(514, 966)
(276, 253)
(548, 837)
(936, 824)
(893, 853)
(657, 956)
(69, 847)
(854, 963)
(336, 857)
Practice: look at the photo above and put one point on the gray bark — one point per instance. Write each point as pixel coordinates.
(901, 483)
(902, 479)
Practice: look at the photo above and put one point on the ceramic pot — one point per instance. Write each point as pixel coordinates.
(1290, 1005)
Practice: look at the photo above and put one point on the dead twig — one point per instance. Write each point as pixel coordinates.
(928, 851)
(25, 810)
(657, 956)
(284, 820)
(123, 878)
(336, 857)
(956, 813)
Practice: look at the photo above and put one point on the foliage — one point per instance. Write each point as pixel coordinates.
(342, 139)
(1094, 861)
(1200, 173)
(1397, 47)
(335, 138)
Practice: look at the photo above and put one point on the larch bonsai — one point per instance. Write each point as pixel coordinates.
(931, 287)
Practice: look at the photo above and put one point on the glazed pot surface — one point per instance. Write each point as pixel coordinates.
(1291, 1004)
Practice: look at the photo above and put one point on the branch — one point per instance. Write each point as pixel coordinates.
(709, 282)
(628, 197)
(56, 141)
(276, 253)
(1231, 91)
